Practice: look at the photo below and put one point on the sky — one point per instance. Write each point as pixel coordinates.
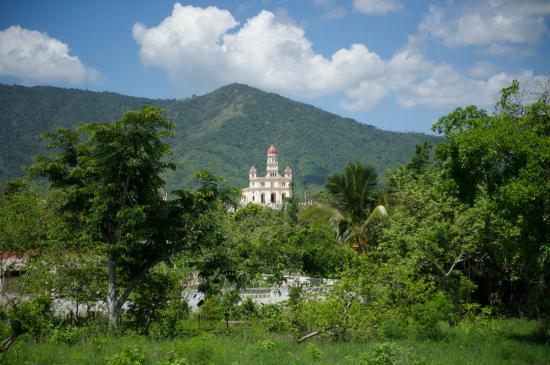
(395, 64)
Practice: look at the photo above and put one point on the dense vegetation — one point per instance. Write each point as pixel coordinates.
(434, 267)
(223, 132)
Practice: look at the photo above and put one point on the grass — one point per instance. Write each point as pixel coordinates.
(494, 342)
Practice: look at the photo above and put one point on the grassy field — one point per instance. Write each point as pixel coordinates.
(494, 342)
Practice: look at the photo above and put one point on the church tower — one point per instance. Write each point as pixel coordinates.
(272, 169)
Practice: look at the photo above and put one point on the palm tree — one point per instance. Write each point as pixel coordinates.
(356, 205)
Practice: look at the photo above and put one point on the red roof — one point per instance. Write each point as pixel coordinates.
(252, 170)
(272, 150)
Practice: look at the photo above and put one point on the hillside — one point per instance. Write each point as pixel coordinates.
(224, 131)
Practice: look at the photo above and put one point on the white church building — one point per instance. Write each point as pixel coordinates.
(271, 190)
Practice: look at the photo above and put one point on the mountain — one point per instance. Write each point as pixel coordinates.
(225, 132)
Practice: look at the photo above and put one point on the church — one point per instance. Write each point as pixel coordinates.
(271, 190)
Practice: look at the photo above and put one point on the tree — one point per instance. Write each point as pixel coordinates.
(355, 204)
(504, 159)
(111, 176)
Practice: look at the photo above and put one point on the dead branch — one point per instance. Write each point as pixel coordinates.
(459, 259)
(308, 336)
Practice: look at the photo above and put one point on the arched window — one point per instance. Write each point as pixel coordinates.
(273, 197)
(262, 198)
(283, 197)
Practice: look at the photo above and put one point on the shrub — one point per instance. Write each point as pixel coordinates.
(128, 356)
(394, 329)
(68, 334)
(33, 317)
(314, 352)
(170, 318)
(429, 314)
(388, 353)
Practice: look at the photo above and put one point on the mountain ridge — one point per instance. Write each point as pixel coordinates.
(224, 131)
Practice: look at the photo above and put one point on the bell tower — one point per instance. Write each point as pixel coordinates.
(272, 169)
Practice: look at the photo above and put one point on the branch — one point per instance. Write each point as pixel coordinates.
(459, 259)
(308, 336)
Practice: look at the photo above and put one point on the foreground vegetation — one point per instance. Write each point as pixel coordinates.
(490, 342)
(432, 267)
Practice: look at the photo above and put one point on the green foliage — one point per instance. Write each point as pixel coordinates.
(354, 190)
(504, 342)
(111, 176)
(354, 208)
(314, 352)
(387, 353)
(128, 356)
(429, 314)
(269, 241)
(157, 299)
(499, 163)
(25, 220)
(33, 317)
(67, 334)
(76, 277)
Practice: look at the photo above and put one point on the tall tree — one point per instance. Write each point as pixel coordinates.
(114, 196)
(505, 158)
(355, 204)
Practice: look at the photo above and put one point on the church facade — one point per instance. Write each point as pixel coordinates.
(272, 189)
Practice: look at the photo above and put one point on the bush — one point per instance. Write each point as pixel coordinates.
(247, 310)
(388, 353)
(314, 352)
(68, 334)
(273, 319)
(33, 317)
(128, 356)
(429, 314)
(165, 288)
(393, 329)
(212, 310)
(170, 318)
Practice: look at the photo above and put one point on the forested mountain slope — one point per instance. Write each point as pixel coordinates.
(225, 131)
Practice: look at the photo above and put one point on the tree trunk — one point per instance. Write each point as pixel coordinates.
(112, 307)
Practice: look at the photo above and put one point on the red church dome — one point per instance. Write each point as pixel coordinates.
(271, 151)
(252, 170)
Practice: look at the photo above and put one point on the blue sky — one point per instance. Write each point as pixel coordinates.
(395, 64)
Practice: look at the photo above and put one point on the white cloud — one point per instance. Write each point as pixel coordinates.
(417, 81)
(196, 45)
(33, 56)
(492, 24)
(203, 48)
(377, 7)
(365, 96)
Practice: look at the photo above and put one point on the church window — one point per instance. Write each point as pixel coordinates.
(283, 197)
(273, 197)
(263, 198)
